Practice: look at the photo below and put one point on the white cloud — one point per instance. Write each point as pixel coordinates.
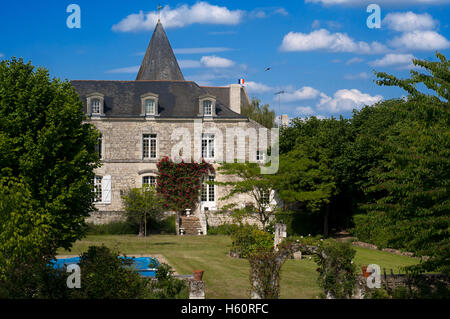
(364, 2)
(305, 110)
(1, 55)
(189, 64)
(305, 93)
(255, 87)
(394, 59)
(354, 60)
(201, 50)
(346, 100)
(201, 12)
(359, 76)
(282, 11)
(324, 40)
(420, 40)
(316, 24)
(409, 21)
(213, 61)
(130, 69)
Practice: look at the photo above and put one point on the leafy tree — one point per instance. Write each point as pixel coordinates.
(141, 205)
(408, 186)
(106, 275)
(45, 144)
(312, 166)
(249, 180)
(259, 113)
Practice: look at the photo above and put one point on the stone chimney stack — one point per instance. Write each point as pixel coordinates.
(284, 120)
(235, 98)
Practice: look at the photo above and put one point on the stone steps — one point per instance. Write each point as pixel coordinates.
(190, 225)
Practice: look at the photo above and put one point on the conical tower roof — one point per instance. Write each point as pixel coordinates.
(159, 61)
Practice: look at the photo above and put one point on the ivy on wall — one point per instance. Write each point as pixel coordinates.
(180, 183)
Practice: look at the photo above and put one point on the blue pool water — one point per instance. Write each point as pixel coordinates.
(141, 264)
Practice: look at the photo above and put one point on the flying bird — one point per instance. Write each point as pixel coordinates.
(267, 69)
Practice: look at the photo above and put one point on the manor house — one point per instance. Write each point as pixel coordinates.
(137, 118)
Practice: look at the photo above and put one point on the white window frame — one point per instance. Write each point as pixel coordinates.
(201, 107)
(149, 184)
(101, 103)
(208, 147)
(208, 191)
(144, 99)
(207, 107)
(260, 156)
(149, 109)
(98, 188)
(152, 145)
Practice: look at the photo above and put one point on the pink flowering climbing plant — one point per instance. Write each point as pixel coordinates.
(180, 183)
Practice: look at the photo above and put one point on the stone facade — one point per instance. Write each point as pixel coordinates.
(122, 157)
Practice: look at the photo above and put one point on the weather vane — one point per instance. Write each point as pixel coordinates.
(159, 11)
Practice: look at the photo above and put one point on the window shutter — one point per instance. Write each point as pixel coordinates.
(106, 189)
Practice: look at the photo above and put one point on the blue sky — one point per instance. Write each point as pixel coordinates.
(320, 52)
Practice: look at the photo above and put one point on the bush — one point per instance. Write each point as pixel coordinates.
(337, 272)
(164, 226)
(166, 286)
(114, 228)
(224, 229)
(106, 276)
(249, 239)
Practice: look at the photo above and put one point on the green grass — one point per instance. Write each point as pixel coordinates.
(227, 277)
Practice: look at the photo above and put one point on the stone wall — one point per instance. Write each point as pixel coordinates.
(122, 155)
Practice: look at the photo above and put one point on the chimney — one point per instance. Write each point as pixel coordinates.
(284, 120)
(235, 98)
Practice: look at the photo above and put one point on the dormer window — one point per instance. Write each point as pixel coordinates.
(95, 104)
(207, 105)
(149, 105)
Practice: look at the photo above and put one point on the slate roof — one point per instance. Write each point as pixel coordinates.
(159, 62)
(159, 74)
(176, 99)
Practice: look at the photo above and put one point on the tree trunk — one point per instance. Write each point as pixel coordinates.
(141, 228)
(325, 221)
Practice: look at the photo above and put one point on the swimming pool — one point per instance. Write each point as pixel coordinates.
(141, 264)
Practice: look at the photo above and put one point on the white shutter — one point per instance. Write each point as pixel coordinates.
(106, 189)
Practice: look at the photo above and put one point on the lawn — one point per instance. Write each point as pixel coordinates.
(227, 277)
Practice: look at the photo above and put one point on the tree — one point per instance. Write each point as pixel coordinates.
(141, 205)
(47, 147)
(312, 167)
(408, 187)
(249, 181)
(259, 113)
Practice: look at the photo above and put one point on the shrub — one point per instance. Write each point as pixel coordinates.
(114, 228)
(166, 286)
(249, 239)
(337, 272)
(164, 226)
(106, 276)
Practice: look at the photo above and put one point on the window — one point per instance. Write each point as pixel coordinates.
(148, 181)
(207, 107)
(98, 189)
(98, 147)
(259, 156)
(265, 197)
(149, 146)
(208, 146)
(149, 107)
(208, 190)
(95, 106)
